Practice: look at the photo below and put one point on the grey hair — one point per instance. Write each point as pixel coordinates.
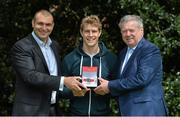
(128, 18)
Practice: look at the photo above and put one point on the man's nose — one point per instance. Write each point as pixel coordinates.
(90, 33)
(128, 33)
(44, 26)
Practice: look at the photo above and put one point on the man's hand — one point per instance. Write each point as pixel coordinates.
(102, 89)
(72, 82)
(80, 93)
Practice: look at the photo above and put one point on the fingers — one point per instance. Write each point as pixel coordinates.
(79, 89)
(82, 86)
(96, 89)
(78, 78)
(102, 89)
(79, 93)
(101, 80)
(79, 86)
(99, 90)
(72, 82)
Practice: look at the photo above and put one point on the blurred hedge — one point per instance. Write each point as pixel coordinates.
(172, 93)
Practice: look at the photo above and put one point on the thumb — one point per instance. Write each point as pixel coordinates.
(101, 80)
(78, 78)
(82, 86)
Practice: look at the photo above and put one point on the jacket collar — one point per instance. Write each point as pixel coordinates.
(138, 46)
(40, 42)
(39, 52)
(37, 49)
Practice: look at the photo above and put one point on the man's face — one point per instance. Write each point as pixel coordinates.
(131, 33)
(90, 34)
(43, 26)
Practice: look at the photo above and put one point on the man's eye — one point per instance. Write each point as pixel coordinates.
(48, 24)
(86, 31)
(40, 23)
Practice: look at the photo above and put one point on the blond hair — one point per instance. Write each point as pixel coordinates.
(93, 20)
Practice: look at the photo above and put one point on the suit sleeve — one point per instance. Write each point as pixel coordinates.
(23, 63)
(140, 74)
(66, 93)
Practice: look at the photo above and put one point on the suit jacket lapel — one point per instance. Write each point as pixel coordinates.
(38, 51)
(140, 44)
(122, 57)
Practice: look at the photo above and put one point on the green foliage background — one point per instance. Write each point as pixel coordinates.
(162, 27)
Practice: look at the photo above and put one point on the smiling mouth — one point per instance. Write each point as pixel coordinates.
(90, 40)
(130, 37)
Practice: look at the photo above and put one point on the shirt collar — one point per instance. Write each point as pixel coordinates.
(132, 48)
(40, 42)
(136, 44)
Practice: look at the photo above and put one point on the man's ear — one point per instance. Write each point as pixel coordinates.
(100, 33)
(32, 22)
(81, 32)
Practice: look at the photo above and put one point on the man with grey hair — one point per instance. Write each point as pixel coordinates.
(138, 84)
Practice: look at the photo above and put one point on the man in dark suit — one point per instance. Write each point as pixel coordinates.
(139, 79)
(36, 62)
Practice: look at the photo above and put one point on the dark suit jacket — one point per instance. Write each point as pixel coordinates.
(34, 84)
(139, 87)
